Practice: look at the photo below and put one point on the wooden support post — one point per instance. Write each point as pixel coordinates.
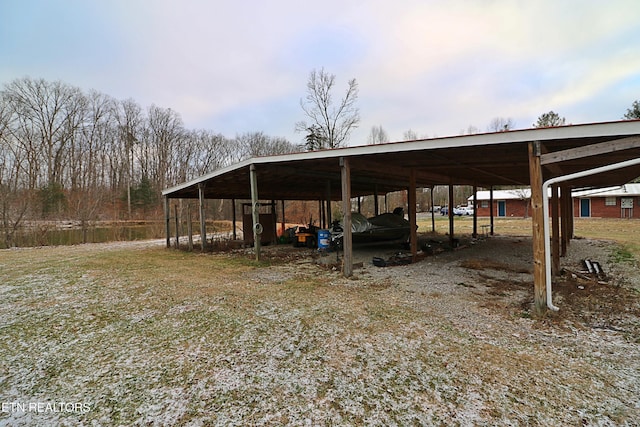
(328, 207)
(255, 211)
(274, 219)
(491, 212)
(567, 212)
(450, 215)
(189, 227)
(537, 220)
(413, 223)
(376, 207)
(475, 213)
(203, 220)
(433, 214)
(284, 223)
(564, 219)
(555, 232)
(345, 177)
(175, 211)
(359, 205)
(570, 217)
(233, 218)
(167, 221)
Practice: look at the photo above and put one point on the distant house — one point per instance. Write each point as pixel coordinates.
(618, 202)
(612, 202)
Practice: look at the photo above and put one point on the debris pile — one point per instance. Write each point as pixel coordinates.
(592, 271)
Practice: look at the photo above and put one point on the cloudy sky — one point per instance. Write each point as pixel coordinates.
(435, 67)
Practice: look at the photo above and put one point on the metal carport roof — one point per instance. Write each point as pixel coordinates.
(483, 160)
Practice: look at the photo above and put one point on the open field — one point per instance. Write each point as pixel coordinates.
(134, 334)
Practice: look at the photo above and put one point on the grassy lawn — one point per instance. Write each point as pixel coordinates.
(148, 336)
(623, 231)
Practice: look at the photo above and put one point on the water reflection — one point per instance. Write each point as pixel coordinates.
(73, 236)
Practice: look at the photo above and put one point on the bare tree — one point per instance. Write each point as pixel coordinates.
(130, 128)
(165, 134)
(378, 135)
(329, 124)
(255, 144)
(470, 130)
(550, 119)
(14, 198)
(84, 153)
(211, 151)
(409, 135)
(501, 124)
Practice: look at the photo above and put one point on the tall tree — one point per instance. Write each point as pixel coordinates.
(329, 123)
(161, 142)
(254, 144)
(470, 130)
(501, 124)
(378, 135)
(46, 115)
(633, 112)
(130, 129)
(409, 135)
(550, 119)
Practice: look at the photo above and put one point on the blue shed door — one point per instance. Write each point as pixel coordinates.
(585, 208)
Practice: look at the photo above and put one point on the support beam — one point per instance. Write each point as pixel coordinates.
(189, 228)
(345, 177)
(491, 212)
(255, 211)
(565, 212)
(284, 222)
(571, 217)
(233, 218)
(450, 215)
(175, 210)
(413, 223)
(555, 232)
(167, 221)
(607, 147)
(274, 219)
(433, 214)
(328, 204)
(376, 208)
(537, 220)
(203, 220)
(475, 212)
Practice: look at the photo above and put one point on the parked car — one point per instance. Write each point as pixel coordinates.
(456, 211)
(466, 210)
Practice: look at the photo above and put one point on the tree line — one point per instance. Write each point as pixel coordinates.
(83, 155)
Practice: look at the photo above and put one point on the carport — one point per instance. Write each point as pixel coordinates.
(560, 156)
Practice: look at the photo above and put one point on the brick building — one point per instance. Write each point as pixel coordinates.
(615, 202)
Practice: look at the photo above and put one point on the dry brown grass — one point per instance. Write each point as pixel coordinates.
(148, 336)
(623, 231)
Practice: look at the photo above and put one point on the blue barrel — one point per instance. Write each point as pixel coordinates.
(324, 237)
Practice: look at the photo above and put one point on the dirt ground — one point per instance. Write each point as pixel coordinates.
(174, 338)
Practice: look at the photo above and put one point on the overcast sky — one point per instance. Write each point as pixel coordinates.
(435, 67)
